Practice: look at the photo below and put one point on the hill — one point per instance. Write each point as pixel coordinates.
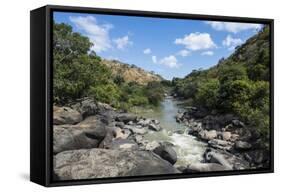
(131, 73)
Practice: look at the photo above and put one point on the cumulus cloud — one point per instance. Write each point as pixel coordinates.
(147, 51)
(154, 59)
(233, 27)
(183, 53)
(170, 61)
(96, 32)
(196, 41)
(231, 42)
(208, 53)
(122, 42)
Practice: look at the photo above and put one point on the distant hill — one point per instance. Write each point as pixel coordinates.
(131, 73)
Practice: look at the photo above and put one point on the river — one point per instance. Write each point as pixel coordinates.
(189, 150)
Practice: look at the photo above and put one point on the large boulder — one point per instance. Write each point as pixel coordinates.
(126, 117)
(65, 115)
(166, 152)
(228, 160)
(87, 134)
(86, 107)
(104, 163)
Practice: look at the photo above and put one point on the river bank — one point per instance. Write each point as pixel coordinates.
(94, 140)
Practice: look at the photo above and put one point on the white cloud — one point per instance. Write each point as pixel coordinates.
(154, 59)
(183, 53)
(170, 61)
(147, 51)
(208, 53)
(97, 33)
(122, 42)
(233, 27)
(231, 42)
(196, 41)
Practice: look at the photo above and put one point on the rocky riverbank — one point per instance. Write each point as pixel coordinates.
(94, 140)
(231, 144)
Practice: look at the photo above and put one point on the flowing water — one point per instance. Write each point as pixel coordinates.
(189, 150)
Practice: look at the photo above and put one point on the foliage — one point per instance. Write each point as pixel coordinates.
(238, 84)
(78, 72)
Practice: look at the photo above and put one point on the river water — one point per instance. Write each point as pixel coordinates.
(189, 150)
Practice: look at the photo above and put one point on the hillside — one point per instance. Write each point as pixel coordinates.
(238, 84)
(131, 73)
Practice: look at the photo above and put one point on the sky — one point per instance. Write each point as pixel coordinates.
(169, 47)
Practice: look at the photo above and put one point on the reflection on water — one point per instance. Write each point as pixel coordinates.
(188, 149)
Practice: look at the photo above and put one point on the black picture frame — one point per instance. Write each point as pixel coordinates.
(41, 93)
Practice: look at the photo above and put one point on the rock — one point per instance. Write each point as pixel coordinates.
(105, 163)
(86, 107)
(179, 117)
(80, 136)
(65, 115)
(215, 142)
(242, 145)
(226, 135)
(139, 139)
(123, 144)
(237, 123)
(154, 127)
(166, 152)
(136, 130)
(119, 133)
(155, 121)
(126, 117)
(152, 145)
(144, 122)
(228, 160)
(258, 156)
(120, 124)
(208, 135)
(215, 157)
(204, 167)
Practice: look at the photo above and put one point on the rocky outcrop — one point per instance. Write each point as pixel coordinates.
(104, 163)
(65, 115)
(86, 134)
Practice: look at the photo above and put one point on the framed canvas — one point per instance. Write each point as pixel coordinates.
(125, 95)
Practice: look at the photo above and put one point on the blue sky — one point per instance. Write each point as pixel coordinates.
(169, 47)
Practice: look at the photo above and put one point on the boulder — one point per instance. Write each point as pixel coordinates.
(166, 152)
(216, 142)
(228, 160)
(136, 130)
(120, 124)
(126, 117)
(144, 122)
(86, 107)
(154, 127)
(237, 123)
(106, 163)
(204, 167)
(87, 134)
(242, 145)
(121, 133)
(226, 135)
(65, 115)
(208, 135)
(152, 145)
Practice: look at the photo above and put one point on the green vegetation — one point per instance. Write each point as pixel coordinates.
(78, 72)
(238, 84)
